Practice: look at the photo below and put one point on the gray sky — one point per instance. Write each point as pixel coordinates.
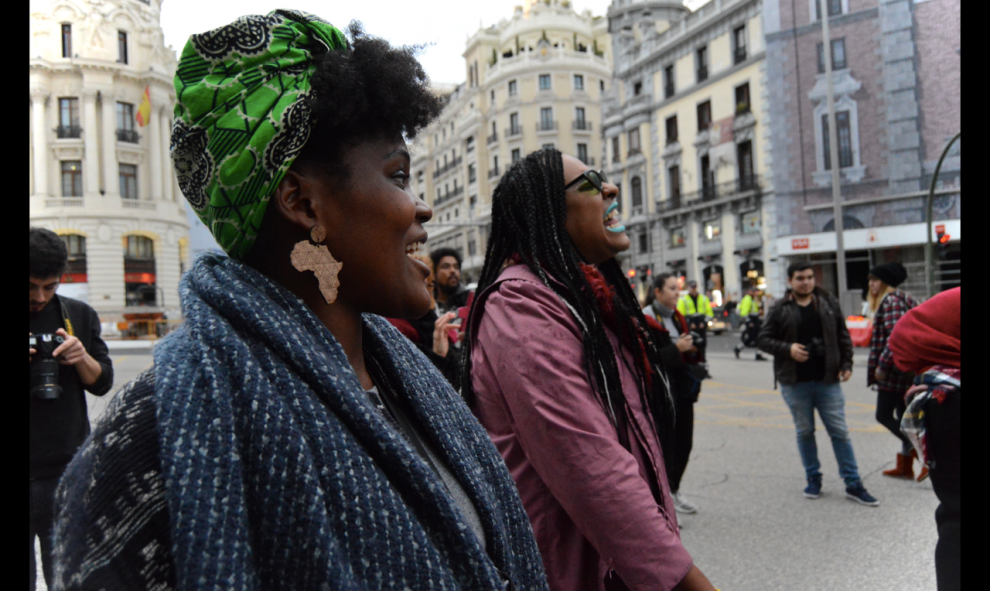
(446, 24)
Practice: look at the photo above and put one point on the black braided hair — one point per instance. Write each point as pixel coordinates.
(528, 215)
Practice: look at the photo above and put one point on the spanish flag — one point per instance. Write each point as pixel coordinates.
(143, 115)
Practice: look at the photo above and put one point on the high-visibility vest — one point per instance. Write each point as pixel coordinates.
(749, 305)
(685, 305)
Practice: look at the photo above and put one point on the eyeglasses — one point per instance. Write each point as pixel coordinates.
(594, 182)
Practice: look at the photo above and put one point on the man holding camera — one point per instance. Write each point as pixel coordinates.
(806, 332)
(66, 331)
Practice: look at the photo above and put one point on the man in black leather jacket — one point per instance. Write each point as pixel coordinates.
(807, 335)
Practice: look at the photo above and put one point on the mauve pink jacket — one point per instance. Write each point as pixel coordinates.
(587, 497)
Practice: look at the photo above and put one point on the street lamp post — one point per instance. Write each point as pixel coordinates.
(929, 263)
(833, 155)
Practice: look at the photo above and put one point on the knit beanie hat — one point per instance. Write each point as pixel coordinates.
(893, 274)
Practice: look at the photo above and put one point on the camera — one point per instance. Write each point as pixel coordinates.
(44, 367)
(698, 339)
(816, 348)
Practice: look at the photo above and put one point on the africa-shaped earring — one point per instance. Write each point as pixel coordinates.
(316, 257)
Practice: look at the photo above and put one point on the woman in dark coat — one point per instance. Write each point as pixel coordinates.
(684, 365)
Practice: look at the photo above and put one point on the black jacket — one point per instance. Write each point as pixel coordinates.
(456, 300)
(779, 332)
(681, 382)
(58, 427)
(449, 366)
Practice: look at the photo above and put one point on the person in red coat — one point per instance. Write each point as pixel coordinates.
(927, 342)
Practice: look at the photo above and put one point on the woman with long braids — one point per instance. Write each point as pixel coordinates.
(561, 371)
(288, 437)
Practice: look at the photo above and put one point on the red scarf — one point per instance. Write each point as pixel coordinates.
(605, 296)
(682, 322)
(929, 334)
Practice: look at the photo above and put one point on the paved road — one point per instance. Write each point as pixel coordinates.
(754, 530)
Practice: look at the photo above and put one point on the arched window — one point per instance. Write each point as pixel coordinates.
(637, 192)
(139, 271)
(848, 223)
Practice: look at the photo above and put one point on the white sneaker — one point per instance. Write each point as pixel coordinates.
(683, 505)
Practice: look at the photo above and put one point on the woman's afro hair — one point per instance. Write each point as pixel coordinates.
(368, 91)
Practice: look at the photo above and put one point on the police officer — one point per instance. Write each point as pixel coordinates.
(749, 311)
(694, 302)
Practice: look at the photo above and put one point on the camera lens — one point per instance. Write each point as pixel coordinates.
(44, 367)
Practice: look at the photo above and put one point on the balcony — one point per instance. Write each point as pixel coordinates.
(546, 126)
(739, 55)
(492, 139)
(68, 132)
(742, 109)
(493, 173)
(581, 125)
(670, 204)
(513, 131)
(668, 90)
(702, 73)
(449, 195)
(712, 191)
(137, 204)
(128, 135)
(64, 202)
(588, 161)
(449, 166)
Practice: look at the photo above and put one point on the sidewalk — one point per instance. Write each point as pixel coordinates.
(135, 344)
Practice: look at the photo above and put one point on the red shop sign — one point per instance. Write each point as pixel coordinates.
(74, 278)
(799, 243)
(139, 277)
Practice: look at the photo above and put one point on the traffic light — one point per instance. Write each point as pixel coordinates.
(943, 243)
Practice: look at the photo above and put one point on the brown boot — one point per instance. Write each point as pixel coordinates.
(903, 469)
(924, 468)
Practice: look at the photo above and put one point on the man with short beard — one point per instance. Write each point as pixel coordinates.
(449, 294)
(807, 334)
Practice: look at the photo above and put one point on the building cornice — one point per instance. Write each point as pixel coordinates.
(565, 60)
(686, 33)
(79, 65)
(617, 115)
(816, 26)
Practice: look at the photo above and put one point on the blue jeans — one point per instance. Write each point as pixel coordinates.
(803, 398)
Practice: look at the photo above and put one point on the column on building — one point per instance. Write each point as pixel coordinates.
(730, 267)
(91, 157)
(154, 141)
(39, 98)
(167, 267)
(165, 135)
(694, 239)
(105, 270)
(111, 172)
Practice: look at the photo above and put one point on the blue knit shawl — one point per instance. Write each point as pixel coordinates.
(280, 475)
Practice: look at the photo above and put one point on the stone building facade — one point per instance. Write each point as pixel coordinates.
(534, 80)
(98, 176)
(687, 140)
(896, 80)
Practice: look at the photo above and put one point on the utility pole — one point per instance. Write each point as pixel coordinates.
(833, 155)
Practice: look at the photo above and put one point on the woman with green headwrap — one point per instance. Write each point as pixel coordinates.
(287, 436)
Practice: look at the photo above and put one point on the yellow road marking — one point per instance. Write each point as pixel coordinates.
(721, 396)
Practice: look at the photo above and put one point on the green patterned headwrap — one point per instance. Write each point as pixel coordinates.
(241, 116)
